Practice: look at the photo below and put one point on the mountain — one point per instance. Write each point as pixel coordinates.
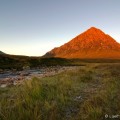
(92, 43)
(1, 53)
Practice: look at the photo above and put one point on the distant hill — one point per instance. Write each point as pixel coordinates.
(19, 62)
(92, 43)
(2, 52)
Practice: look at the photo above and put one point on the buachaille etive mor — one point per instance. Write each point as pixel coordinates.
(92, 43)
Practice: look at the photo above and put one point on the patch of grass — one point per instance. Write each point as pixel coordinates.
(86, 93)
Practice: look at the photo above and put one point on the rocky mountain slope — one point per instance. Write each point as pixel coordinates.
(92, 43)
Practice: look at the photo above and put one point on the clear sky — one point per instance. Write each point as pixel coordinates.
(33, 27)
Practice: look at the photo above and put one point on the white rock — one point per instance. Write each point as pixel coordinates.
(3, 85)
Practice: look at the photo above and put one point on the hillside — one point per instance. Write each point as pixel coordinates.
(92, 43)
(1, 52)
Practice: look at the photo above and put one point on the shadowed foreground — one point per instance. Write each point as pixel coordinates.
(88, 93)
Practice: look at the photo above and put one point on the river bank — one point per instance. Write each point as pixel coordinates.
(13, 77)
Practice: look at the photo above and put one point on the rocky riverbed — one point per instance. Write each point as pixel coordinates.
(13, 77)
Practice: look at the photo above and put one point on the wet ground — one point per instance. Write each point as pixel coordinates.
(17, 77)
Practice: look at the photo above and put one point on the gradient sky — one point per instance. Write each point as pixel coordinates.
(33, 27)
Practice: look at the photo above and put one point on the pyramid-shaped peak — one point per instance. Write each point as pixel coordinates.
(93, 43)
(94, 30)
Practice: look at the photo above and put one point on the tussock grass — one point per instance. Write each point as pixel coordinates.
(86, 93)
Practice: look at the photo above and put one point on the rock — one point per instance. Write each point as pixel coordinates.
(77, 98)
(3, 85)
(26, 67)
(24, 74)
(1, 71)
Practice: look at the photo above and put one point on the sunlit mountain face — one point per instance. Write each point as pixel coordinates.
(92, 43)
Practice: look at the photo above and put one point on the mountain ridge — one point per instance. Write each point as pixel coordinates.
(93, 43)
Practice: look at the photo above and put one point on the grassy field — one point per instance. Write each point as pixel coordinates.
(86, 93)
